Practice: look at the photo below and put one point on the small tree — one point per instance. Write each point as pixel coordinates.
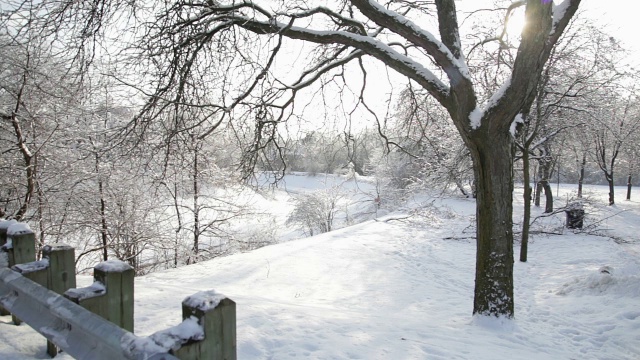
(315, 212)
(611, 133)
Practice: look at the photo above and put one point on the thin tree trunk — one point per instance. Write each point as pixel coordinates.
(103, 213)
(103, 222)
(460, 187)
(524, 243)
(196, 209)
(548, 194)
(104, 233)
(179, 228)
(581, 178)
(41, 206)
(24, 150)
(493, 159)
(545, 175)
(611, 188)
(629, 187)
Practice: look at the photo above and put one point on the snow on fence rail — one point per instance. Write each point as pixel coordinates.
(96, 322)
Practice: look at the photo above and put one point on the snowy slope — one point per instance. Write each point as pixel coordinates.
(402, 288)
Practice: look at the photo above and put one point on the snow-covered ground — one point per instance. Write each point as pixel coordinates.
(356, 199)
(401, 287)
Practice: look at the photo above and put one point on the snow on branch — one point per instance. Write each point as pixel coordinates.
(368, 45)
(341, 20)
(455, 67)
(475, 118)
(517, 121)
(558, 13)
(532, 54)
(561, 15)
(309, 76)
(216, 7)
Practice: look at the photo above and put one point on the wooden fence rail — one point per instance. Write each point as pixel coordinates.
(96, 322)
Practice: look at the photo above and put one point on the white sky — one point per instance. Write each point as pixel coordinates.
(619, 18)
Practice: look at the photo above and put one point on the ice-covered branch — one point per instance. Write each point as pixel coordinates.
(561, 15)
(339, 19)
(537, 38)
(368, 45)
(454, 66)
(331, 62)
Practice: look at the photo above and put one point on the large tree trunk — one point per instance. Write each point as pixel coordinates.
(493, 159)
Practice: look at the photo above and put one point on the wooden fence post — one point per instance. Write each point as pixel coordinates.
(217, 315)
(20, 246)
(56, 271)
(62, 267)
(111, 295)
(4, 225)
(80, 333)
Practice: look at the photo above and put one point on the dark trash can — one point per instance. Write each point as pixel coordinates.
(575, 218)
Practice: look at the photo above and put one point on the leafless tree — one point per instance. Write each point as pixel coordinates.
(184, 38)
(315, 212)
(426, 139)
(615, 126)
(580, 67)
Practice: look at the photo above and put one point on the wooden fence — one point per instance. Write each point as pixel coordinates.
(96, 322)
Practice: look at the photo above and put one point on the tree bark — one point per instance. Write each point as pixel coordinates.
(176, 206)
(629, 187)
(548, 196)
(609, 177)
(544, 185)
(104, 229)
(493, 159)
(196, 207)
(581, 178)
(524, 242)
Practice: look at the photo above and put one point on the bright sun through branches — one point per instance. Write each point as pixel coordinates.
(515, 24)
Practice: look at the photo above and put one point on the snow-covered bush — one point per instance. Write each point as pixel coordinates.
(314, 212)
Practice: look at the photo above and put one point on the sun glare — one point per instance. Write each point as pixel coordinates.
(516, 23)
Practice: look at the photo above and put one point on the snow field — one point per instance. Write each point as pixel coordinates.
(401, 287)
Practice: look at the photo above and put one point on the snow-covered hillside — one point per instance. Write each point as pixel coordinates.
(401, 287)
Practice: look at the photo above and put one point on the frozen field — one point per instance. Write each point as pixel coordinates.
(401, 287)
